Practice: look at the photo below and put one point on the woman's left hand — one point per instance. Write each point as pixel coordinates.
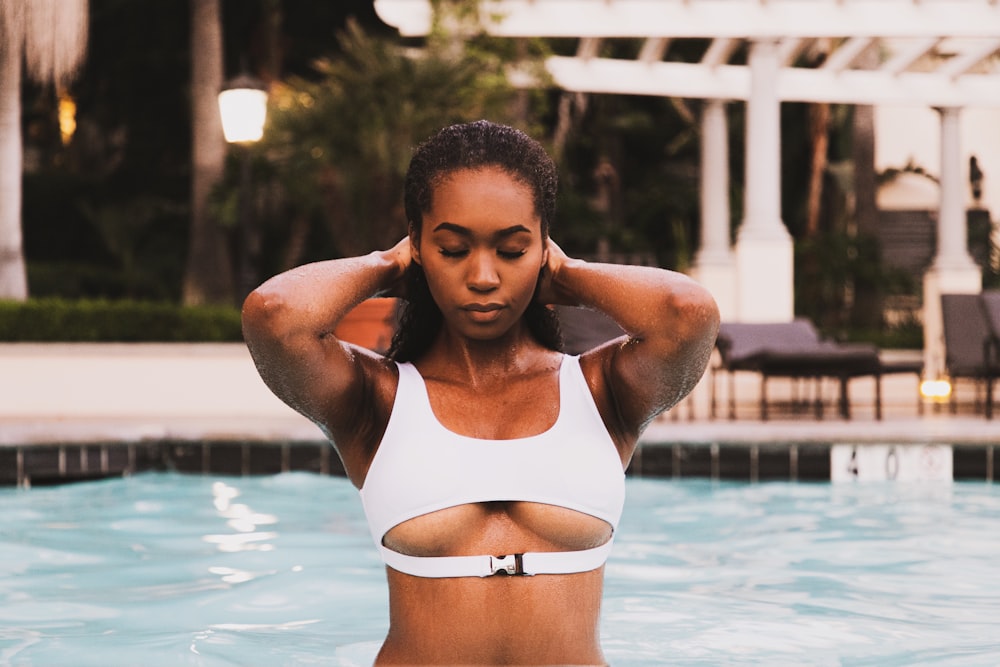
(549, 292)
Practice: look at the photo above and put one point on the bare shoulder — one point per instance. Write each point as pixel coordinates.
(596, 367)
(355, 419)
(346, 389)
(639, 376)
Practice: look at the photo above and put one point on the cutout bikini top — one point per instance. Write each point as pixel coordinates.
(421, 467)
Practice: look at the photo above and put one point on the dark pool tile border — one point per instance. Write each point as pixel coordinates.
(254, 457)
(975, 463)
(774, 462)
(56, 463)
(782, 461)
(734, 461)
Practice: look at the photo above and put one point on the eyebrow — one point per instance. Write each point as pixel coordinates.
(464, 231)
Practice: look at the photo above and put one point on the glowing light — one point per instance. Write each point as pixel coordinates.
(243, 107)
(938, 390)
(67, 117)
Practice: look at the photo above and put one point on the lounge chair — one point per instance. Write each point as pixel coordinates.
(989, 300)
(966, 344)
(795, 350)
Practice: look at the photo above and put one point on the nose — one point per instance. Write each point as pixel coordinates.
(482, 275)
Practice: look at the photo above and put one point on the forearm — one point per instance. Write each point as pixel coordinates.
(646, 302)
(313, 298)
(671, 322)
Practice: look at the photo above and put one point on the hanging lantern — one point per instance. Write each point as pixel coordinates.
(243, 106)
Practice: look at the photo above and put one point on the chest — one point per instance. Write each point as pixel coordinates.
(544, 463)
(505, 409)
(497, 527)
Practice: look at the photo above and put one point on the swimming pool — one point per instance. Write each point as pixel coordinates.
(171, 569)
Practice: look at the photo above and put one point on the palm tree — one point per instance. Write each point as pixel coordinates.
(50, 38)
(208, 277)
(340, 144)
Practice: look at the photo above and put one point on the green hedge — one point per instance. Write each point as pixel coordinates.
(908, 337)
(60, 320)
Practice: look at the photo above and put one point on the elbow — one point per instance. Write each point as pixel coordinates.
(262, 314)
(708, 313)
(695, 308)
(687, 322)
(703, 318)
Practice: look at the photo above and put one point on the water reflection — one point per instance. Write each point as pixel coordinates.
(243, 520)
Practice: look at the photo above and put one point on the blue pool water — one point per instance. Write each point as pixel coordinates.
(166, 569)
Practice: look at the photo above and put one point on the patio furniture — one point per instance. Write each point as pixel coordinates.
(989, 300)
(967, 344)
(796, 351)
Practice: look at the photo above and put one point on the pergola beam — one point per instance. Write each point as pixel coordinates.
(653, 49)
(845, 56)
(795, 84)
(719, 51)
(744, 19)
(790, 48)
(905, 58)
(588, 48)
(910, 29)
(963, 63)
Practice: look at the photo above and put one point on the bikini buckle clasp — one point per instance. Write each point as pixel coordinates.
(511, 564)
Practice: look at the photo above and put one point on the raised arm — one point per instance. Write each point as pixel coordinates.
(289, 323)
(671, 323)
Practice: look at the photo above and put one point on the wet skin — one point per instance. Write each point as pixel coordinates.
(482, 251)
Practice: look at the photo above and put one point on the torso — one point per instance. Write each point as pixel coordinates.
(542, 620)
(497, 619)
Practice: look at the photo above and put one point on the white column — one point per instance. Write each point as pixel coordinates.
(714, 264)
(952, 234)
(764, 254)
(953, 270)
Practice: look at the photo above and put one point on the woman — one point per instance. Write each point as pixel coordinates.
(490, 465)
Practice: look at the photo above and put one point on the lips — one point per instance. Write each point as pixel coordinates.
(482, 307)
(483, 313)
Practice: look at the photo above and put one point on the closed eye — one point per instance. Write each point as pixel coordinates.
(453, 253)
(511, 254)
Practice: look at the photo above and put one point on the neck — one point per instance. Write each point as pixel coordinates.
(475, 362)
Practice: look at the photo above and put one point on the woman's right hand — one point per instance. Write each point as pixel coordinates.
(403, 257)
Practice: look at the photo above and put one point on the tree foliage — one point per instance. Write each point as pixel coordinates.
(338, 144)
(106, 215)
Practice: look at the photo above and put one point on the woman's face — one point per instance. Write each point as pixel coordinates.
(481, 249)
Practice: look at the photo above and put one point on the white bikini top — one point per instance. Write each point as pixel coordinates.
(421, 467)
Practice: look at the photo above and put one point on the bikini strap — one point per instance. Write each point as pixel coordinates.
(530, 563)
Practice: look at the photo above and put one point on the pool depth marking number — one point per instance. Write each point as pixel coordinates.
(890, 462)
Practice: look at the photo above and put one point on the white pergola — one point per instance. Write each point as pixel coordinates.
(933, 53)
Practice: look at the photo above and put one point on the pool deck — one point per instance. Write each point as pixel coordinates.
(55, 395)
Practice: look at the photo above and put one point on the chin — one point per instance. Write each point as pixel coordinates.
(485, 332)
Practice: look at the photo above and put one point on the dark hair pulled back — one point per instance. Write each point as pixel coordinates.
(475, 145)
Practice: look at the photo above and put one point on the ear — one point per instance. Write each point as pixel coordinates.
(414, 243)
